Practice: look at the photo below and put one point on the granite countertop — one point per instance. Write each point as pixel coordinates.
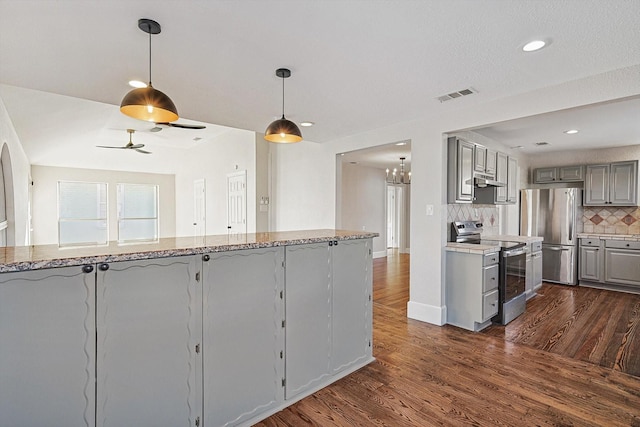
(485, 249)
(22, 258)
(631, 237)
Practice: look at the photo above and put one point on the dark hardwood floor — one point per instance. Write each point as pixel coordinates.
(593, 325)
(425, 375)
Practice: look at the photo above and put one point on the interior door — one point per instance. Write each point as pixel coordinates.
(199, 208)
(237, 202)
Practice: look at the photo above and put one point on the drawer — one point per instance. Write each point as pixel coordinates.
(489, 304)
(490, 259)
(622, 244)
(590, 242)
(490, 277)
(536, 246)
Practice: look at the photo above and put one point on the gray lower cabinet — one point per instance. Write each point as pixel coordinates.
(148, 327)
(326, 333)
(47, 348)
(243, 335)
(622, 262)
(528, 280)
(591, 260)
(471, 289)
(536, 264)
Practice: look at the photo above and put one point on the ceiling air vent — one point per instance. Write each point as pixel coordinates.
(542, 143)
(454, 95)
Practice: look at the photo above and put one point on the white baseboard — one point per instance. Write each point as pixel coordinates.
(427, 313)
(405, 251)
(380, 254)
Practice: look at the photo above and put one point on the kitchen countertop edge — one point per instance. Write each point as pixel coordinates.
(25, 258)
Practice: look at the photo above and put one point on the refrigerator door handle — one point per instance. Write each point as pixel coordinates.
(570, 207)
(557, 249)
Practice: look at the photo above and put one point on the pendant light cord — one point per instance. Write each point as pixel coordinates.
(149, 28)
(283, 97)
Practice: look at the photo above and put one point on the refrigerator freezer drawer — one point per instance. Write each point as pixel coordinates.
(559, 264)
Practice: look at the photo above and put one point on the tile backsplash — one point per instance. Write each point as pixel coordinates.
(611, 219)
(487, 214)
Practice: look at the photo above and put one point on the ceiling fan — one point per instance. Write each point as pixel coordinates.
(158, 127)
(129, 146)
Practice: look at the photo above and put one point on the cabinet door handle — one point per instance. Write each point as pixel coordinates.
(335, 243)
(330, 242)
(104, 266)
(87, 268)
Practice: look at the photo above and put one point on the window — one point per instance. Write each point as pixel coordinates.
(82, 213)
(137, 213)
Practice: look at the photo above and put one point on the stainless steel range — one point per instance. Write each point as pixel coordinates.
(511, 286)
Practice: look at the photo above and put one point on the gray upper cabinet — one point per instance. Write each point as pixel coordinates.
(502, 176)
(480, 158)
(512, 180)
(559, 174)
(460, 170)
(490, 168)
(614, 184)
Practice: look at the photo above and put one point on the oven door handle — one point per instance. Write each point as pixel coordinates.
(509, 254)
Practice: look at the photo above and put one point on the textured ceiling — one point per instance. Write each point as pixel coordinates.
(357, 65)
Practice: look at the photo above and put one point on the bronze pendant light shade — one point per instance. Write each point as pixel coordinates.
(148, 103)
(282, 130)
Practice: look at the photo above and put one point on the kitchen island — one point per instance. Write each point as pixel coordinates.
(213, 331)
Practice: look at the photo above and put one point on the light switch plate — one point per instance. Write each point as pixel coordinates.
(430, 210)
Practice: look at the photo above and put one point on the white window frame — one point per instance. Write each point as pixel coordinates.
(121, 219)
(105, 219)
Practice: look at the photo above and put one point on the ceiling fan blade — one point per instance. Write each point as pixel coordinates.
(142, 151)
(107, 146)
(182, 125)
(135, 146)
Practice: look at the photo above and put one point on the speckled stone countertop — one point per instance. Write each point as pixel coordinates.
(22, 258)
(487, 249)
(631, 237)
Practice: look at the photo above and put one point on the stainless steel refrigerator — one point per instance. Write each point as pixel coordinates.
(552, 213)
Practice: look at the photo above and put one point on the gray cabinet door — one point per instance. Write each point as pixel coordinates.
(351, 304)
(542, 175)
(502, 176)
(536, 263)
(490, 168)
(308, 314)
(243, 337)
(480, 158)
(460, 175)
(528, 281)
(622, 266)
(571, 173)
(623, 182)
(148, 328)
(512, 180)
(47, 348)
(590, 264)
(596, 185)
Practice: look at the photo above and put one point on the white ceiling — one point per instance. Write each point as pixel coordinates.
(357, 65)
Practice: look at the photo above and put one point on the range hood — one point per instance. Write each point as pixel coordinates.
(482, 180)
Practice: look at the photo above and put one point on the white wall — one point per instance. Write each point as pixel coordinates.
(363, 202)
(233, 151)
(300, 167)
(45, 198)
(303, 186)
(18, 217)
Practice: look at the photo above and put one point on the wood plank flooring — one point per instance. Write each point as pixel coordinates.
(425, 375)
(593, 325)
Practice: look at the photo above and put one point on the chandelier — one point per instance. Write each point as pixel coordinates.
(401, 177)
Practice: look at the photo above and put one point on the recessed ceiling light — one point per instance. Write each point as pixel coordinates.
(534, 45)
(401, 143)
(306, 124)
(571, 131)
(137, 84)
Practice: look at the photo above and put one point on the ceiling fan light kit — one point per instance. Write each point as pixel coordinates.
(148, 103)
(283, 130)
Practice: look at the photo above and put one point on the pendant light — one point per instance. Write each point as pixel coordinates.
(283, 130)
(148, 103)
